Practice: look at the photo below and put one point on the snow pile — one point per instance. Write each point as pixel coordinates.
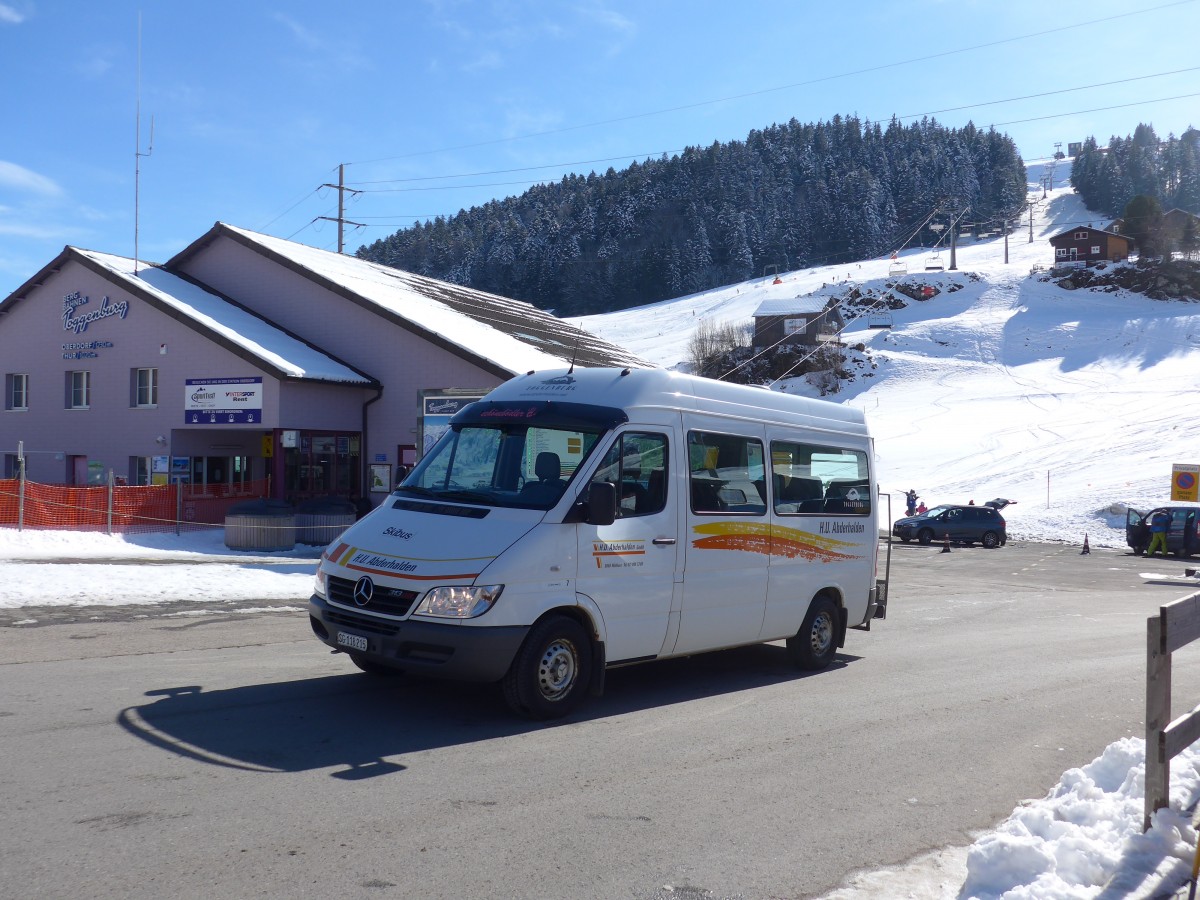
(1082, 841)
(1086, 835)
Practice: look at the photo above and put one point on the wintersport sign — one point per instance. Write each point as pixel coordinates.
(223, 401)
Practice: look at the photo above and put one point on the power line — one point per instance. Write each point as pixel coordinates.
(1085, 87)
(659, 153)
(663, 152)
(1080, 112)
(581, 162)
(992, 125)
(812, 81)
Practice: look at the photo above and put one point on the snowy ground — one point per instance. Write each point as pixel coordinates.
(1075, 404)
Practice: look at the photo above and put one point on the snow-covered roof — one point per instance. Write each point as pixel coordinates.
(803, 306)
(1075, 228)
(510, 334)
(226, 322)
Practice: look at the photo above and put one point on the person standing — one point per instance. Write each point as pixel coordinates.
(911, 497)
(1158, 531)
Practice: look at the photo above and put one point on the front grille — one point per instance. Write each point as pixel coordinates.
(361, 623)
(384, 600)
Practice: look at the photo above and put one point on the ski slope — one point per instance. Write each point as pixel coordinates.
(1075, 403)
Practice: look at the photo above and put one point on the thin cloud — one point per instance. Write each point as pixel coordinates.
(10, 15)
(621, 28)
(487, 60)
(96, 65)
(609, 18)
(304, 36)
(37, 232)
(340, 53)
(21, 179)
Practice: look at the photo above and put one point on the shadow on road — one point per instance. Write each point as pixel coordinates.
(357, 721)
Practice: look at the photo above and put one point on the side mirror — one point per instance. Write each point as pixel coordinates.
(602, 503)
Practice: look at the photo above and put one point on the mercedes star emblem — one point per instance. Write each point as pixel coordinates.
(364, 588)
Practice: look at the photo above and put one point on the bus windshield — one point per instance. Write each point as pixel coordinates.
(502, 464)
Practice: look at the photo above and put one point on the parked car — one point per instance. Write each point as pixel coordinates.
(1183, 534)
(961, 524)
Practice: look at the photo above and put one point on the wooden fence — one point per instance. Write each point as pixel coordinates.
(1176, 625)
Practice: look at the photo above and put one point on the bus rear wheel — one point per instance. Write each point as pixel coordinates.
(814, 645)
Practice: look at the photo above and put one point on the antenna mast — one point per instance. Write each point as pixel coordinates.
(137, 149)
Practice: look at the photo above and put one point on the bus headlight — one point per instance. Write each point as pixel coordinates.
(459, 602)
(319, 582)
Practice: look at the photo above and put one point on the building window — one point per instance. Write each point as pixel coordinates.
(16, 391)
(79, 390)
(795, 326)
(141, 470)
(1081, 235)
(1060, 252)
(1095, 251)
(145, 387)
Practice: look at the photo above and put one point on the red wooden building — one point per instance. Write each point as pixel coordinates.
(1083, 243)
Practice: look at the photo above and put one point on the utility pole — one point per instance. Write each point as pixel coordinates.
(1031, 206)
(341, 220)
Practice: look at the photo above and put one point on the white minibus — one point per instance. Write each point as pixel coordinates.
(576, 520)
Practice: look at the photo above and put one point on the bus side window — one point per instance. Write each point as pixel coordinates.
(636, 465)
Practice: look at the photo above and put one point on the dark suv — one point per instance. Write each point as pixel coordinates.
(1183, 532)
(961, 524)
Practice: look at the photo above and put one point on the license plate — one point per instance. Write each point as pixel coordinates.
(353, 641)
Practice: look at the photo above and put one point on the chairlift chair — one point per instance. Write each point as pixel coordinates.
(898, 268)
(879, 319)
(934, 263)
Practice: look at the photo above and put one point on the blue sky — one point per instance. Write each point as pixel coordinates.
(255, 105)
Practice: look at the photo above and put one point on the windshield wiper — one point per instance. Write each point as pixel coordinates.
(416, 489)
(467, 495)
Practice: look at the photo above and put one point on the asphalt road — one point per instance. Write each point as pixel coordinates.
(229, 755)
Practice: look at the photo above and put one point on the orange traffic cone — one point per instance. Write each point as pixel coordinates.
(946, 543)
(1086, 549)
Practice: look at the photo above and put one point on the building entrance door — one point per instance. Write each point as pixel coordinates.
(322, 464)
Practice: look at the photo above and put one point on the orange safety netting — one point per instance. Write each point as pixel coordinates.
(122, 508)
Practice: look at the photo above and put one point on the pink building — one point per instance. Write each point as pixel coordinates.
(246, 357)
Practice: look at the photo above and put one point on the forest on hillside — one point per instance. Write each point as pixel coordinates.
(1140, 164)
(789, 196)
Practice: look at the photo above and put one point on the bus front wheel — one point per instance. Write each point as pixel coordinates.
(550, 675)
